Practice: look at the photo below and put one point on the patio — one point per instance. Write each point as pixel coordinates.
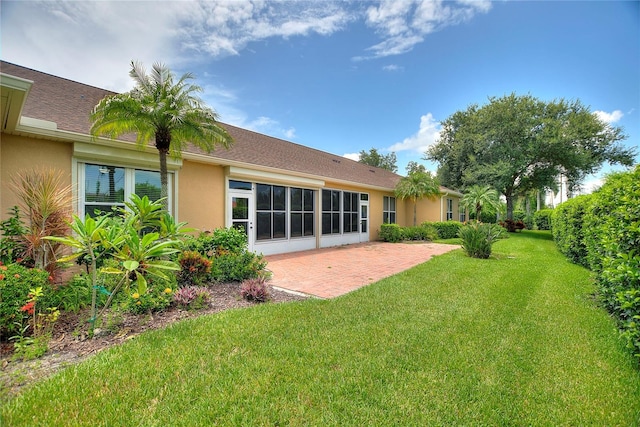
(331, 272)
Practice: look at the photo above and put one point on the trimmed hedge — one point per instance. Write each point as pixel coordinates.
(566, 227)
(602, 231)
(394, 233)
(446, 229)
(542, 219)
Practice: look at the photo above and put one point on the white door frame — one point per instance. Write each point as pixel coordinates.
(248, 223)
(365, 222)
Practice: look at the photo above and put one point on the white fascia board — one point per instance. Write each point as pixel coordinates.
(125, 154)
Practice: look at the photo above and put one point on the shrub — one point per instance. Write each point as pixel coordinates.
(236, 267)
(567, 223)
(477, 238)
(255, 289)
(11, 247)
(194, 268)
(155, 299)
(73, 295)
(446, 229)
(191, 297)
(16, 283)
(528, 222)
(542, 219)
(488, 217)
(390, 233)
(612, 241)
(219, 241)
(421, 232)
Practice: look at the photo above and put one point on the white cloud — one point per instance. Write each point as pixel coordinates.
(392, 68)
(225, 28)
(426, 136)
(403, 24)
(609, 118)
(352, 156)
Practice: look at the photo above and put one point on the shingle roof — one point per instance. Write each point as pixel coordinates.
(68, 104)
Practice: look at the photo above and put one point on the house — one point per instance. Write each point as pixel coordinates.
(286, 196)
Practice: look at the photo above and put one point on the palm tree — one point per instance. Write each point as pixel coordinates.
(477, 198)
(162, 109)
(415, 186)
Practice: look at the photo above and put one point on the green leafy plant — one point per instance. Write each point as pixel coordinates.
(138, 252)
(255, 290)
(542, 219)
(16, 281)
(478, 238)
(420, 232)
(155, 298)
(446, 229)
(390, 233)
(235, 267)
(12, 247)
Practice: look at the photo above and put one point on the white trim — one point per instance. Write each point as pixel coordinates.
(273, 177)
(122, 156)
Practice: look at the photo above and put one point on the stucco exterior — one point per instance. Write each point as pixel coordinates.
(46, 126)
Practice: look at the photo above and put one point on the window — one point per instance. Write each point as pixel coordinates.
(271, 202)
(301, 212)
(449, 209)
(239, 185)
(330, 212)
(107, 187)
(350, 212)
(388, 210)
(463, 214)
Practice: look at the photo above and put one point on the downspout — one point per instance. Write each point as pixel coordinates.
(442, 206)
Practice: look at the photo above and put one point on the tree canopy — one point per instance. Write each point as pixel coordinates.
(415, 186)
(374, 158)
(161, 108)
(478, 197)
(520, 143)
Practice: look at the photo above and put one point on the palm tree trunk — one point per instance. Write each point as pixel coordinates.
(415, 206)
(164, 182)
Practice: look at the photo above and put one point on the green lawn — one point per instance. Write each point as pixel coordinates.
(514, 340)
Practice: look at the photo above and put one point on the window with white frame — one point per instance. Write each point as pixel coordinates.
(330, 212)
(271, 212)
(388, 210)
(349, 212)
(301, 213)
(449, 209)
(105, 187)
(463, 214)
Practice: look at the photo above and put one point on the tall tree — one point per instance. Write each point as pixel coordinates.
(519, 143)
(415, 167)
(477, 197)
(162, 109)
(415, 186)
(384, 161)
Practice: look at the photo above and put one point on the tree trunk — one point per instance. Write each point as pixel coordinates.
(509, 206)
(163, 143)
(164, 183)
(415, 209)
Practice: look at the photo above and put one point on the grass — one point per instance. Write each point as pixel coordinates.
(513, 340)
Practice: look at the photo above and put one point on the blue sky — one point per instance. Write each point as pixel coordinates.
(347, 76)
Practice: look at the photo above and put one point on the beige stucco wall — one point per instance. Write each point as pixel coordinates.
(19, 153)
(430, 210)
(201, 195)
